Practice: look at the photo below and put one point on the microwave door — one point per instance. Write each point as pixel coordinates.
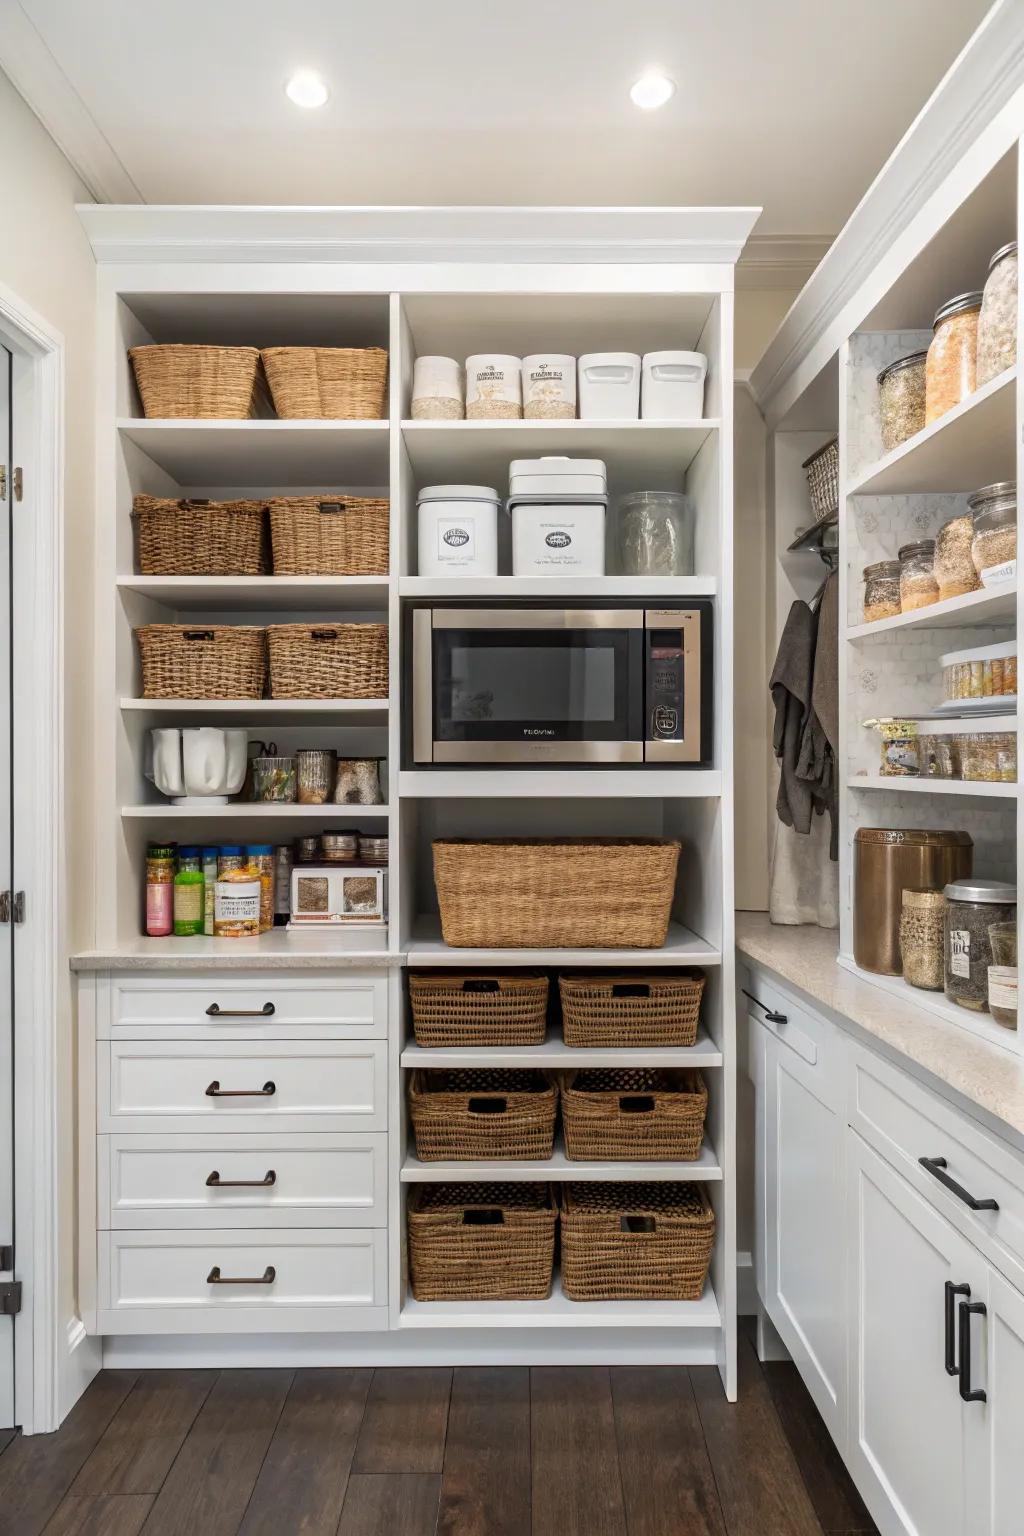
(677, 689)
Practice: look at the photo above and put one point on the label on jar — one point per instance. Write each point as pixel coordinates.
(456, 540)
(1002, 987)
(992, 575)
(237, 901)
(960, 952)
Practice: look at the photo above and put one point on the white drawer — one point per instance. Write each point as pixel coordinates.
(234, 1180)
(814, 1040)
(186, 1282)
(304, 1005)
(298, 1085)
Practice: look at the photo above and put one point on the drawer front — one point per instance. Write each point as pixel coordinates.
(295, 1086)
(234, 1180)
(813, 1040)
(241, 1282)
(310, 1006)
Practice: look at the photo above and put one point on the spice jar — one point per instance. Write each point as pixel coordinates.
(997, 323)
(994, 545)
(160, 859)
(954, 566)
(261, 858)
(437, 389)
(922, 927)
(316, 768)
(972, 907)
(918, 587)
(951, 369)
(656, 534)
(881, 590)
(236, 908)
(901, 399)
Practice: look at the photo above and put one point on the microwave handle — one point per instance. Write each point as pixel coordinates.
(422, 686)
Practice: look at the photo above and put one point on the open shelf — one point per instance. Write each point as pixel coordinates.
(559, 1169)
(989, 605)
(555, 1054)
(980, 1023)
(426, 947)
(557, 1310)
(233, 594)
(267, 951)
(266, 711)
(656, 587)
(259, 452)
(569, 782)
(247, 811)
(982, 790)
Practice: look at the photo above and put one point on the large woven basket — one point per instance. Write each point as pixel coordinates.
(328, 661)
(213, 661)
(481, 1242)
(636, 1113)
(483, 1112)
(636, 1242)
(197, 382)
(328, 383)
(465, 1008)
(329, 535)
(574, 892)
(200, 538)
(822, 471)
(638, 1009)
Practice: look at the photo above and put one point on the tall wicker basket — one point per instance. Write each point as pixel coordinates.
(481, 1242)
(328, 383)
(330, 535)
(328, 661)
(197, 382)
(636, 1242)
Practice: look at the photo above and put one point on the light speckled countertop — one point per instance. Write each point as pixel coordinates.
(274, 951)
(974, 1073)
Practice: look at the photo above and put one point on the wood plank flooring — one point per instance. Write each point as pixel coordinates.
(476, 1451)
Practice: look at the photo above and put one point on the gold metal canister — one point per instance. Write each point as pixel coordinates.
(887, 861)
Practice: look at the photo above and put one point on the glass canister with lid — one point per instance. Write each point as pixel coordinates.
(972, 907)
(954, 563)
(951, 369)
(918, 586)
(997, 323)
(881, 590)
(901, 399)
(655, 532)
(994, 545)
(922, 927)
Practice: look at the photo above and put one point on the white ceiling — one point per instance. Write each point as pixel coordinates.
(793, 104)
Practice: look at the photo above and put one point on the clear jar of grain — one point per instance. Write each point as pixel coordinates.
(994, 509)
(997, 324)
(954, 567)
(922, 928)
(901, 399)
(951, 370)
(972, 908)
(881, 590)
(918, 587)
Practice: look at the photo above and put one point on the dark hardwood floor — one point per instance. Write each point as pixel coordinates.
(481, 1451)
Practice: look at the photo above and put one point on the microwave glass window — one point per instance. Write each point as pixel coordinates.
(537, 682)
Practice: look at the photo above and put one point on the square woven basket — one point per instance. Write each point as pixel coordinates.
(330, 535)
(200, 538)
(638, 1008)
(481, 1242)
(213, 661)
(200, 383)
(471, 1008)
(328, 383)
(633, 1114)
(636, 1242)
(328, 661)
(483, 1112)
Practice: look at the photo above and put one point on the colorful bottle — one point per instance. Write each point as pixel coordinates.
(209, 863)
(159, 889)
(189, 887)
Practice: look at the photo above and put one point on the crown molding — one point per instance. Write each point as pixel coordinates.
(780, 261)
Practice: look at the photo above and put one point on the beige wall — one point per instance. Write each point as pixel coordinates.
(46, 263)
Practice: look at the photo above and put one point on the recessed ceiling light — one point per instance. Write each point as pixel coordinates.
(651, 90)
(306, 89)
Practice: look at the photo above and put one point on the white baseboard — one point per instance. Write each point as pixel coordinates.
(82, 1359)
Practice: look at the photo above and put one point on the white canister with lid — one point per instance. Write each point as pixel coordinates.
(609, 386)
(458, 530)
(558, 538)
(549, 387)
(493, 387)
(672, 386)
(437, 393)
(557, 475)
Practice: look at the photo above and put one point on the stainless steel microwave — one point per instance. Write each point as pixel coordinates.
(544, 684)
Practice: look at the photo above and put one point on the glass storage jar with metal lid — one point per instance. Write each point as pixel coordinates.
(901, 399)
(918, 587)
(881, 590)
(954, 566)
(997, 323)
(972, 907)
(951, 370)
(655, 532)
(994, 545)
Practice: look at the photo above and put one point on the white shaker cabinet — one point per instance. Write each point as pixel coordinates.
(996, 1485)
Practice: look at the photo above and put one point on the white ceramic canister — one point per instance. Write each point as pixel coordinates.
(609, 386)
(437, 393)
(558, 538)
(549, 387)
(672, 386)
(493, 387)
(458, 530)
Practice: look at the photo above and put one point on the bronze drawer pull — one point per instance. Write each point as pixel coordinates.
(215, 1011)
(215, 1277)
(215, 1091)
(214, 1181)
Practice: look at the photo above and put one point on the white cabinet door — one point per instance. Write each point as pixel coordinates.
(996, 1367)
(912, 1439)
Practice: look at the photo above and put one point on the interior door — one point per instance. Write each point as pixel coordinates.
(6, 885)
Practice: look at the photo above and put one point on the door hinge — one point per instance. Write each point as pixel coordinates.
(10, 1298)
(12, 907)
(19, 485)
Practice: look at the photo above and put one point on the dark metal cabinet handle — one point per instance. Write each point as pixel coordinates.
(214, 1181)
(215, 1091)
(937, 1166)
(952, 1292)
(215, 1011)
(215, 1277)
(769, 1013)
(967, 1310)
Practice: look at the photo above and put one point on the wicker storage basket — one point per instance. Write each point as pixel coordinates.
(642, 1008)
(200, 538)
(572, 892)
(636, 1242)
(329, 535)
(328, 661)
(484, 1112)
(198, 383)
(822, 471)
(463, 1008)
(217, 661)
(481, 1242)
(327, 383)
(636, 1113)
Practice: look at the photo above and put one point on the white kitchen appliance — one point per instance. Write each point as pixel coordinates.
(609, 386)
(672, 386)
(458, 530)
(201, 765)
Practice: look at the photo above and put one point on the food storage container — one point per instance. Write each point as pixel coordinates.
(954, 566)
(316, 769)
(458, 530)
(672, 386)
(994, 546)
(339, 847)
(1002, 974)
(938, 754)
(493, 387)
(551, 538)
(899, 747)
(997, 323)
(260, 857)
(284, 863)
(901, 399)
(609, 386)
(549, 387)
(951, 370)
(274, 777)
(229, 858)
(886, 862)
(236, 903)
(986, 672)
(988, 756)
(557, 475)
(881, 590)
(329, 894)
(373, 850)
(922, 927)
(437, 391)
(358, 782)
(655, 534)
(918, 587)
(972, 907)
(307, 850)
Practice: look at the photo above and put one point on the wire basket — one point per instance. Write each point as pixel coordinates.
(822, 471)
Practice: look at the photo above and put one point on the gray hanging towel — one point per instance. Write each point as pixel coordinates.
(821, 730)
(791, 684)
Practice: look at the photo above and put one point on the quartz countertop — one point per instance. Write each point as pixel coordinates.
(275, 951)
(973, 1072)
